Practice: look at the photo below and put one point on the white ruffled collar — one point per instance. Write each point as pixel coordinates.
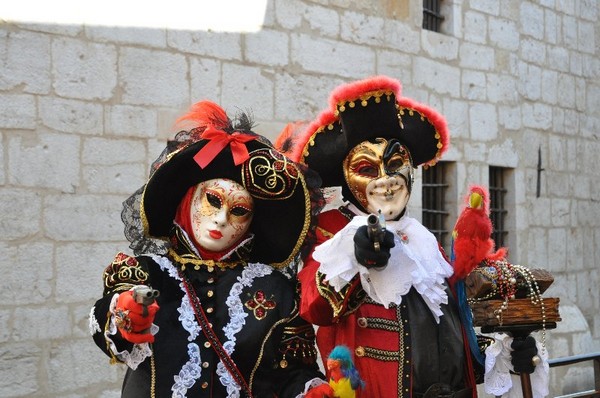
(415, 261)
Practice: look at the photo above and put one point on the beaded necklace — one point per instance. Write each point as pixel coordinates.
(506, 279)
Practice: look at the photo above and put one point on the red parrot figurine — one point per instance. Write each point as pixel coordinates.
(471, 237)
(471, 244)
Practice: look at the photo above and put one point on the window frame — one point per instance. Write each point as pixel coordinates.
(433, 16)
(436, 213)
(498, 177)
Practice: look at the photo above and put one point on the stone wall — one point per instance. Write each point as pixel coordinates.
(84, 109)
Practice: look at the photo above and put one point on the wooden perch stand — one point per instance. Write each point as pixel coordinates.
(507, 298)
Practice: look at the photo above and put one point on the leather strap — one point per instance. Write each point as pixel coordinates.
(212, 337)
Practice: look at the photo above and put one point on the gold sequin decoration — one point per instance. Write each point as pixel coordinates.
(186, 260)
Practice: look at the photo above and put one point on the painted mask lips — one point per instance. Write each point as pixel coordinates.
(215, 234)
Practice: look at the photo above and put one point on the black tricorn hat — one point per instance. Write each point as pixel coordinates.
(282, 210)
(361, 111)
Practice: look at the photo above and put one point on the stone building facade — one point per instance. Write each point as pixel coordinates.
(84, 109)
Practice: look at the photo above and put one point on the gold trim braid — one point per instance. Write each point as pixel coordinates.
(190, 259)
(123, 273)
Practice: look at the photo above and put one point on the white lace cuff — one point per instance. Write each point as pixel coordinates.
(311, 384)
(499, 382)
(138, 353)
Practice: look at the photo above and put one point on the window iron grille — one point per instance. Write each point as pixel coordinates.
(498, 210)
(435, 213)
(432, 17)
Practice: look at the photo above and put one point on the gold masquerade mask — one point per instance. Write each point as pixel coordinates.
(372, 171)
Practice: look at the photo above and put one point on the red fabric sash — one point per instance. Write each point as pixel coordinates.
(212, 337)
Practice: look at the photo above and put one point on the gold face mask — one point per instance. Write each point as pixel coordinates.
(379, 175)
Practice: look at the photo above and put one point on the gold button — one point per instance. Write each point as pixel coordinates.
(210, 293)
(205, 365)
(362, 322)
(211, 268)
(359, 351)
(211, 280)
(205, 384)
(210, 310)
(207, 344)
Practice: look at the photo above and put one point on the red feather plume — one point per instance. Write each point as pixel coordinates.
(203, 114)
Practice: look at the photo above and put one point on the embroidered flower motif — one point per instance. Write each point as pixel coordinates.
(122, 320)
(260, 305)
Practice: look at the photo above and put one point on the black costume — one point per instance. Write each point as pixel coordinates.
(249, 294)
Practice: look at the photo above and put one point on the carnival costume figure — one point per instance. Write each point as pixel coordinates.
(208, 305)
(377, 280)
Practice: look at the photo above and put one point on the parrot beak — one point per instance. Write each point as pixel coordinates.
(475, 201)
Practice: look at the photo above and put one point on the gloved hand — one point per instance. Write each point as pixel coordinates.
(132, 324)
(320, 391)
(522, 354)
(364, 249)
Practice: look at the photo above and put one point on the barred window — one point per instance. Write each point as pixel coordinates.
(435, 213)
(498, 212)
(432, 17)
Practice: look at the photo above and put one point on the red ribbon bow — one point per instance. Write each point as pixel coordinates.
(219, 139)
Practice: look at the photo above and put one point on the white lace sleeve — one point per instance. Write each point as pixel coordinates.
(138, 353)
(498, 380)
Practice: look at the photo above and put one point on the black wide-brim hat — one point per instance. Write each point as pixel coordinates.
(360, 111)
(281, 199)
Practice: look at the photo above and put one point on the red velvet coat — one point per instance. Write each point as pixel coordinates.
(399, 351)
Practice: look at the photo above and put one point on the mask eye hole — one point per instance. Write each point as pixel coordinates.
(366, 169)
(240, 211)
(214, 200)
(394, 165)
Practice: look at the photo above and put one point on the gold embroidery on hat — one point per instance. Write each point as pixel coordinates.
(269, 175)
